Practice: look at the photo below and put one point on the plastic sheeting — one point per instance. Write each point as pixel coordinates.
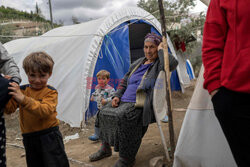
(201, 141)
(75, 50)
(186, 73)
(182, 72)
(190, 70)
(113, 57)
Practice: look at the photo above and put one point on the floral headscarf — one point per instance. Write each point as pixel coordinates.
(154, 38)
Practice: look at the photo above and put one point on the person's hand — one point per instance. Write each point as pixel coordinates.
(16, 92)
(92, 98)
(7, 77)
(160, 46)
(115, 102)
(103, 101)
(214, 92)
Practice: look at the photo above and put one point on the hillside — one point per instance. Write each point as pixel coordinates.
(15, 24)
(7, 13)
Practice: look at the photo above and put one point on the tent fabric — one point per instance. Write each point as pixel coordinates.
(114, 58)
(180, 78)
(77, 50)
(126, 39)
(201, 142)
(174, 81)
(190, 70)
(182, 71)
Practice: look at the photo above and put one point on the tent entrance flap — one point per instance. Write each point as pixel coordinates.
(137, 32)
(113, 57)
(81, 50)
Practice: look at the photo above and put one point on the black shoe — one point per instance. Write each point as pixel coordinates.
(122, 162)
(100, 154)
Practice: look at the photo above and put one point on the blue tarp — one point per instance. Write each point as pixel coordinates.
(190, 70)
(174, 81)
(114, 57)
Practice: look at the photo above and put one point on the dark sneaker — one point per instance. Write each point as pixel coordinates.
(100, 154)
(122, 162)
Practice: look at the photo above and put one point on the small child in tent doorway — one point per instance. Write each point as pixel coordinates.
(102, 95)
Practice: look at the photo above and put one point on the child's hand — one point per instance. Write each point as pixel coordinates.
(16, 92)
(7, 77)
(103, 101)
(92, 98)
(115, 102)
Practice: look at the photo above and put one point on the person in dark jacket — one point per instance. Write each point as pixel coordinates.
(226, 58)
(9, 72)
(124, 122)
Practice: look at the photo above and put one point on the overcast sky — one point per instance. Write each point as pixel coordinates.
(83, 10)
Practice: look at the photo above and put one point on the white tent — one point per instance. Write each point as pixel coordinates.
(77, 49)
(201, 142)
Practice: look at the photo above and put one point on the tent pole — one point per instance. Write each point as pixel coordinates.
(167, 72)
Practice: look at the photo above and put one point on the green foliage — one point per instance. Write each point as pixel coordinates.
(38, 11)
(180, 24)
(195, 59)
(6, 30)
(75, 20)
(7, 13)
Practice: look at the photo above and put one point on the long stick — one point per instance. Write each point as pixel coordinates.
(167, 71)
(51, 17)
(163, 141)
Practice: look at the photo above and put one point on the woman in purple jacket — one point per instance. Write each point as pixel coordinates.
(124, 122)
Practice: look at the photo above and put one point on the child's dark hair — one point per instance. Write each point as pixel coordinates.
(38, 62)
(103, 73)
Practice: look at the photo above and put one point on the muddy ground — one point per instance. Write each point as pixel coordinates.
(79, 149)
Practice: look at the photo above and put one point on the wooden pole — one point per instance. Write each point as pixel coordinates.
(51, 17)
(167, 71)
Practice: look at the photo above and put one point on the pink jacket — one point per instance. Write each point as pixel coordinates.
(226, 45)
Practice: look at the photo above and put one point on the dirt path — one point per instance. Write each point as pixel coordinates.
(78, 150)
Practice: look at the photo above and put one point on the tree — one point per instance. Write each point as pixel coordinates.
(75, 20)
(181, 25)
(6, 31)
(38, 11)
(60, 22)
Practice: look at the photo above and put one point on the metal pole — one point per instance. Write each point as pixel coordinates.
(167, 71)
(51, 17)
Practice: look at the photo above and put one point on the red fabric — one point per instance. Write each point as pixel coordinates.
(180, 45)
(183, 47)
(226, 45)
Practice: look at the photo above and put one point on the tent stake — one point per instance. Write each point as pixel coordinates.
(167, 72)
